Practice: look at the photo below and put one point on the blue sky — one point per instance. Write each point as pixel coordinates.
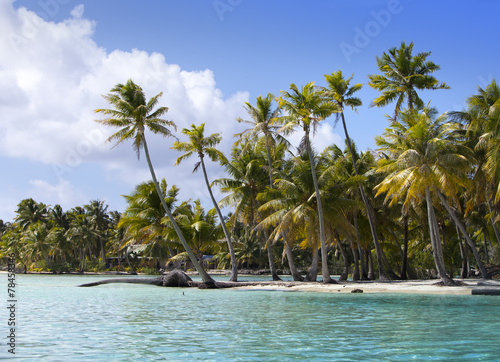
(208, 57)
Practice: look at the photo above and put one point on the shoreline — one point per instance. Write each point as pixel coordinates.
(370, 287)
(418, 286)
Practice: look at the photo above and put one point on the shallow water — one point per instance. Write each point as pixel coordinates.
(124, 322)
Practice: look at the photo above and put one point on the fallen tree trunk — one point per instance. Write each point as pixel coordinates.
(177, 278)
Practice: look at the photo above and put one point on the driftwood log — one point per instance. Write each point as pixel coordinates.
(177, 278)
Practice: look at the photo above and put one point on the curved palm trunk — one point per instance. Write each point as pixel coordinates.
(463, 230)
(207, 279)
(355, 254)
(361, 252)
(312, 275)
(293, 269)
(492, 220)
(274, 272)
(345, 272)
(369, 209)
(234, 265)
(405, 248)
(436, 241)
(324, 252)
(463, 253)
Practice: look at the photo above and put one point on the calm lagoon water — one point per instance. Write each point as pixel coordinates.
(125, 322)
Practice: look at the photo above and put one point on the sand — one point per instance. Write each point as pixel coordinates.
(410, 287)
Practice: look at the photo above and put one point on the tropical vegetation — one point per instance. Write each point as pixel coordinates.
(425, 204)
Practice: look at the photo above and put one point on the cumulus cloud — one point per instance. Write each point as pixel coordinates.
(52, 77)
(62, 193)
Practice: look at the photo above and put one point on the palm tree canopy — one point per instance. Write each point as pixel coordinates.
(340, 92)
(423, 153)
(198, 144)
(263, 120)
(306, 106)
(133, 115)
(404, 74)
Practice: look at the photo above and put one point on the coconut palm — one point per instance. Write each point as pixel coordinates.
(402, 75)
(133, 115)
(30, 212)
(144, 219)
(341, 93)
(199, 226)
(247, 178)
(427, 163)
(291, 208)
(201, 145)
(97, 212)
(263, 122)
(306, 107)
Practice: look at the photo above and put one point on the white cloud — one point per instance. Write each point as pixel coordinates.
(52, 76)
(62, 193)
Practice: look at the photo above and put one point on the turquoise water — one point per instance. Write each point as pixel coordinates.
(125, 322)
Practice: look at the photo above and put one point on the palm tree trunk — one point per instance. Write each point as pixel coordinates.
(362, 259)
(293, 269)
(207, 279)
(324, 252)
(234, 265)
(463, 230)
(463, 253)
(495, 229)
(312, 275)
(355, 254)
(436, 241)
(345, 272)
(371, 272)
(269, 246)
(405, 247)
(369, 209)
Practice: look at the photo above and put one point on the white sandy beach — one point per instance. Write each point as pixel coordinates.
(412, 286)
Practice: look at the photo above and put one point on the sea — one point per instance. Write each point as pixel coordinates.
(55, 320)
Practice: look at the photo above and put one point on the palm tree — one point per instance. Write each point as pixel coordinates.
(199, 226)
(291, 208)
(144, 218)
(263, 119)
(202, 145)
(133, 115)
(427, 162)
(81, 234)
(307, 107)
(404, 74)
(340, 92)
(97, 212)
(247, 178)
(29, 212)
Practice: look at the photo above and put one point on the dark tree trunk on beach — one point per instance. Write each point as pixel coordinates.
(361, 252)
(312, 276)
(405, 248)
(355, 254)
(293, 269)
(371, 269)
(464, 232)
(464, 273)
(345, 271)
(234, 264)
